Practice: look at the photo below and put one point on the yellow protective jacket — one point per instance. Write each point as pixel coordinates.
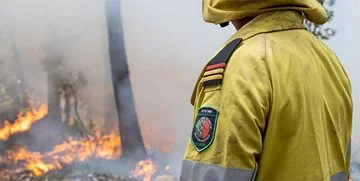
(273, 104)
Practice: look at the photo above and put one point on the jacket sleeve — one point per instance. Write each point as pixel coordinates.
(243, 102)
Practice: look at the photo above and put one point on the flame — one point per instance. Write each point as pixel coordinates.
(97, 145)
(145, 169)
(101, 146)
(33, 161)
(23, 122)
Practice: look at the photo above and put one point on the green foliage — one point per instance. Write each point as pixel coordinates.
(323, 31)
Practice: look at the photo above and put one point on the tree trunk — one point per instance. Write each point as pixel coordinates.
(81, 126)
(67, 109)
(53, 97)
(132, 143)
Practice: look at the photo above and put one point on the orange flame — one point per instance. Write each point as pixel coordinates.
(145, 169)
(97, 145)
(102, 146)
(33, 161)
(23, 122)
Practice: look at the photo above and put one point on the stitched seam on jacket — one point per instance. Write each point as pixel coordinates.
(269, 83)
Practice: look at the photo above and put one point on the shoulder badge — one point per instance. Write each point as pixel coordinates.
(203, 132)
(214, 71)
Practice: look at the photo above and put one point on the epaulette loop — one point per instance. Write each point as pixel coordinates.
(214, 71)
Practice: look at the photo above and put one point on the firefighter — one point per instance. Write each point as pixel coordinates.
(274, 103)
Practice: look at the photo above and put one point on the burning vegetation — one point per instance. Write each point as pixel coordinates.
(94, 146)
(97, 145)
(23, 122)
(63, 137)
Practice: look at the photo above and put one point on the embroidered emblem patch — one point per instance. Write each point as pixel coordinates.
(203, 132)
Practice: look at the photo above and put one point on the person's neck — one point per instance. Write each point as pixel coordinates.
(239, 23)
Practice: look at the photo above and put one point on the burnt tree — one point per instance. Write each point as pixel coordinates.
(53, 84)
(132, 143)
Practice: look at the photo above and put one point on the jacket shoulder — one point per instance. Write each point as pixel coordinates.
(252, 49)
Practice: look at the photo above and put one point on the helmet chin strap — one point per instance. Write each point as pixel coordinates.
(225, 24)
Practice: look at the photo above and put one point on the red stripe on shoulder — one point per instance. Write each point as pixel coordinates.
(212, 67)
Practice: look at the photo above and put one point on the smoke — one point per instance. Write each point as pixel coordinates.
(60, 37)
(74, 32)
(71, 36)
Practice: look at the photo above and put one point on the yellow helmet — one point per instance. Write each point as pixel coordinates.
(222, 11)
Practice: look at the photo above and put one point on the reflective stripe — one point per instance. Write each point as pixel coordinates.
(195, 171)
(212, 77)
(341, 176)
(216, 71)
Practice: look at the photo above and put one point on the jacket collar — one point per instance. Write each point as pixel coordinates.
(271, 22)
